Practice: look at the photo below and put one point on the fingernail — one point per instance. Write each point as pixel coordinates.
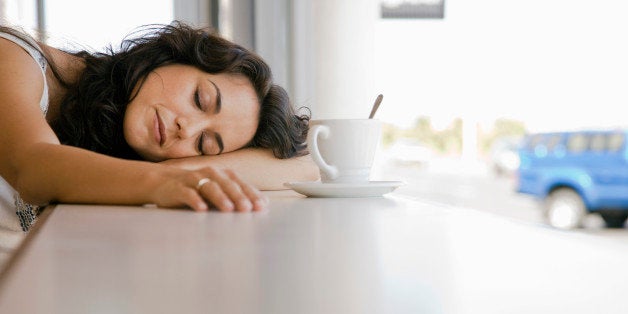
(203, 207)
(260, 203)
(245, 205)
(227, 205)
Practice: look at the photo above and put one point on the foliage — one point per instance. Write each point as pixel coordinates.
(448, 141)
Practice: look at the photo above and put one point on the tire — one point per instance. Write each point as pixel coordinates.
(565, 209)
(614, 218)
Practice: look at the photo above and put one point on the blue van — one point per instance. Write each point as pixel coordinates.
(575, 173)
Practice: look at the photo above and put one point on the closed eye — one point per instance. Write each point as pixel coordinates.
(197, 100)
(200, 143)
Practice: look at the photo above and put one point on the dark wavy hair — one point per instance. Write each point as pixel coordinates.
(92, 112)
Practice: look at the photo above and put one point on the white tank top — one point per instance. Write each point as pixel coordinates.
(16, 217)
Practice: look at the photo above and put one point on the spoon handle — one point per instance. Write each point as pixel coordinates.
(376, 105)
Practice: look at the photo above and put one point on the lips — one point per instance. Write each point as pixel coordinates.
(160, 130)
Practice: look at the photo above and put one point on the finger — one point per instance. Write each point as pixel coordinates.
(260, 201)
(233, 191)
(213, 192)
(195, 201)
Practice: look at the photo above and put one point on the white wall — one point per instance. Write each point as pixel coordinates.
(333, 47)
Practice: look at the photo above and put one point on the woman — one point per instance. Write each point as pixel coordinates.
(76, 126)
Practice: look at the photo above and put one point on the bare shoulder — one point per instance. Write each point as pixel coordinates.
(21, 88)
(20, 75)
(21, 80)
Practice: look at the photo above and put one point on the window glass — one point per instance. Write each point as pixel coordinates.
(534, 141)
(615, 142)
(93, 25)
(553, 141)
(598, 142)
(577, 143)
(22, 13)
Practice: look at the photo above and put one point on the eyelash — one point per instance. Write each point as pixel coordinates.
(200, 143)
(197, 100)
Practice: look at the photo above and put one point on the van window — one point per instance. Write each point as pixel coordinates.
(534, 141)
(553, 141)
(577, 143)
(615, 142)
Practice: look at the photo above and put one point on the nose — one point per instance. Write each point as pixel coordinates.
(191, 126)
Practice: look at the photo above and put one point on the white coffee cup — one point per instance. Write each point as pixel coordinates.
(343, 149)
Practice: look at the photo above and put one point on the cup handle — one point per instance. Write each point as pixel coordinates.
(312, 137)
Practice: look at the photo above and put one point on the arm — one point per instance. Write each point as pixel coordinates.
(41, 170)
(257, 166)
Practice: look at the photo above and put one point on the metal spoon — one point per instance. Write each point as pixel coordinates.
(376, 105)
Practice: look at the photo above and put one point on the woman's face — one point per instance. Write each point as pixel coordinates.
(181, 111)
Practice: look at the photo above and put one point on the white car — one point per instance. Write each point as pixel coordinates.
(504, 156)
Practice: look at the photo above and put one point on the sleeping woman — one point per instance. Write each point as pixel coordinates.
(177, 117)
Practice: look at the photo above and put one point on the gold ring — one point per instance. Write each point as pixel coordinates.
(202, 182)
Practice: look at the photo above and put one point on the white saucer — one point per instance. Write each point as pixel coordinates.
(319, 189)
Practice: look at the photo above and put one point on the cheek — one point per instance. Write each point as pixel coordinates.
(127, 126)
(131, 125)
(180, 150)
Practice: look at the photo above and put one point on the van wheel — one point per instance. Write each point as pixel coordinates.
(614, 218)
(565, 209)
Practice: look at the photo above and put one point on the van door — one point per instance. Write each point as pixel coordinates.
(608, 166)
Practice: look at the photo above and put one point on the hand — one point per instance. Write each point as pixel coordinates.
(224, 191)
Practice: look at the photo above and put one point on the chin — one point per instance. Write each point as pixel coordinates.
(149, 157)
(153, 158)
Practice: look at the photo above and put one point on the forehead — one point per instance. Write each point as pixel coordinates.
(233, 87)
(235, 91)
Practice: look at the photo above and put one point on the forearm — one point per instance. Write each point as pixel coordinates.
(61, 173)
(257, 166)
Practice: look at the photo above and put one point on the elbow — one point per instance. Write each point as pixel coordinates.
(29, 197)
(29, 194)
(311, 172)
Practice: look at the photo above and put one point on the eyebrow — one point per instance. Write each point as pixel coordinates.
(221, 145)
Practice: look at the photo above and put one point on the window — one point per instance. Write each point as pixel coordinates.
(598, 142)
(615, 142)
(19, 13)
(534, 141)
(577, 143)
(553, 141)
(76, 24)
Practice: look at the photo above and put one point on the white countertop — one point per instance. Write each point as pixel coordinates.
(308, 255)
